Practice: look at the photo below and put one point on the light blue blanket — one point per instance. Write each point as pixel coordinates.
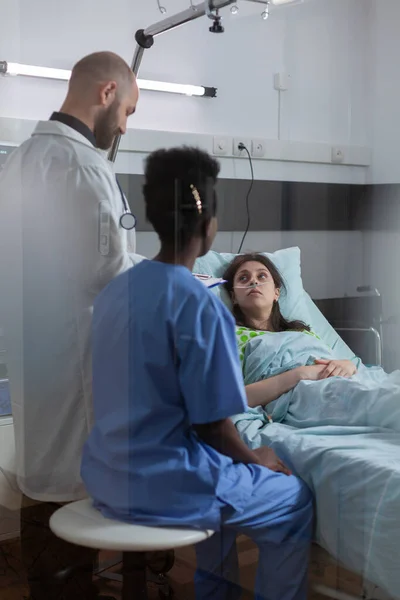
(371, 398)
(341, 437)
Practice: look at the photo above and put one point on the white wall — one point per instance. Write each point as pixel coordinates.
(385, 91)
(320, 44)
(381, 248)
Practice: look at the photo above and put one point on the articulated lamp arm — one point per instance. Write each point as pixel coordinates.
(145, 37)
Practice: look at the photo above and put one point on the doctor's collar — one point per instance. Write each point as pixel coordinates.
(75, 124)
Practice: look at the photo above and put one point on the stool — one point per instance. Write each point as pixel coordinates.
(81, 524)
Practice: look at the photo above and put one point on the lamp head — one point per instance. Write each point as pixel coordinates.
(217, 26)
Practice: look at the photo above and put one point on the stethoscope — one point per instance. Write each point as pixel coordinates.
(127, 220)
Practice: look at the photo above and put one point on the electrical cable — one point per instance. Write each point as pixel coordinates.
(161, 8)
(279, 113)
(243, 147)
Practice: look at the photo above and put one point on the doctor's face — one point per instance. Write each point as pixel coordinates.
(112, 121)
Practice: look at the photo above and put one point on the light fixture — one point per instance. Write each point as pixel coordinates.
(280, 2)
(277, 2)
(265, 13)
(8, 68)
(235, 9)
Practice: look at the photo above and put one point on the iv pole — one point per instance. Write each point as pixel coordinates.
(145, 37)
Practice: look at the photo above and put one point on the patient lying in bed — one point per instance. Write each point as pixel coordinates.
(290, 374)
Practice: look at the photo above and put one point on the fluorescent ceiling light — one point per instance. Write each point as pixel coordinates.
(175, 88)
(280, 2)
(31, 71)
(276, 2)
(8, 68)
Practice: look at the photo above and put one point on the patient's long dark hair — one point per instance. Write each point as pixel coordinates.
(277, 320)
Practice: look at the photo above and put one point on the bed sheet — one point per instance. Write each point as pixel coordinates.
(354, 474)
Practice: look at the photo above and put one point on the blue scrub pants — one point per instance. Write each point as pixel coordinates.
(279, 519)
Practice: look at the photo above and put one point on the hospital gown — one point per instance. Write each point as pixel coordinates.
(164, 360)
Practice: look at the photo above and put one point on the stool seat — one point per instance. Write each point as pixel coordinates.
(83, 525)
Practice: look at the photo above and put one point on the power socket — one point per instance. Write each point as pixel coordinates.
(258, 148)
(222, 145)
(337, 155)
(246, 142)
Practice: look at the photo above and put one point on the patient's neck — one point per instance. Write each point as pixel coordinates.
(259, 321)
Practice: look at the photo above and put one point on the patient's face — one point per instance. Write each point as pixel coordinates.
(251, 297)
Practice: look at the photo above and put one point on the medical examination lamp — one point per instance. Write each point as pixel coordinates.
(145, 37)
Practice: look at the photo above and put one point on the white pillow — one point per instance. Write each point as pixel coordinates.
(325, 331)
(293, 303)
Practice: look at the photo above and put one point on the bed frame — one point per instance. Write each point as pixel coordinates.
(358, 320)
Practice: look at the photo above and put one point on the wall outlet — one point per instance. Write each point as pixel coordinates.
(246, 142)
(337, 155)
(281, 82)
(222, 146)
(258, 148)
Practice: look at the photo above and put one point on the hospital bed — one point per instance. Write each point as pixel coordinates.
(355, 478)
(358, 320)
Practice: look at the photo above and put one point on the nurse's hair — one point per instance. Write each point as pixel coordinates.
(179, 193)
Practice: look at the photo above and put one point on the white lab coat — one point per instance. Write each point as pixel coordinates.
(51, 270)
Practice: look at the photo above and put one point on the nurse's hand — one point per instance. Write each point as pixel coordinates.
(267, 458)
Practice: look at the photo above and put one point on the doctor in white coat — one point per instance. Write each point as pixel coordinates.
(61, 243)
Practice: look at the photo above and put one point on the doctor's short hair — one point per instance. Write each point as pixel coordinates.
(179, 193)
(99, 67)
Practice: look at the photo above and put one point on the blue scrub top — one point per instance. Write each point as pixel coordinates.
(164, 359)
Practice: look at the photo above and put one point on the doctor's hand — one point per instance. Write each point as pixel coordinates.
(267, 458)
(337, 368)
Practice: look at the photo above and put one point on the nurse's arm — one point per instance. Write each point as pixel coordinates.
(223, 437)
(263, 392)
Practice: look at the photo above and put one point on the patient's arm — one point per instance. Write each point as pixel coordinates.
(263, 392)
(223, 436)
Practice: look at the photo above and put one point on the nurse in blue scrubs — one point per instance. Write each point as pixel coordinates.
(166, 380)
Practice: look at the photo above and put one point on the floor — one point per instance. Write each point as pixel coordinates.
(323, 572)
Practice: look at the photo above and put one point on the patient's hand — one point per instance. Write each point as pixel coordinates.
(337, 368)
(310, 373)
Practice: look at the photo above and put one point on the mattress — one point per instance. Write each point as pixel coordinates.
(354, 474)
